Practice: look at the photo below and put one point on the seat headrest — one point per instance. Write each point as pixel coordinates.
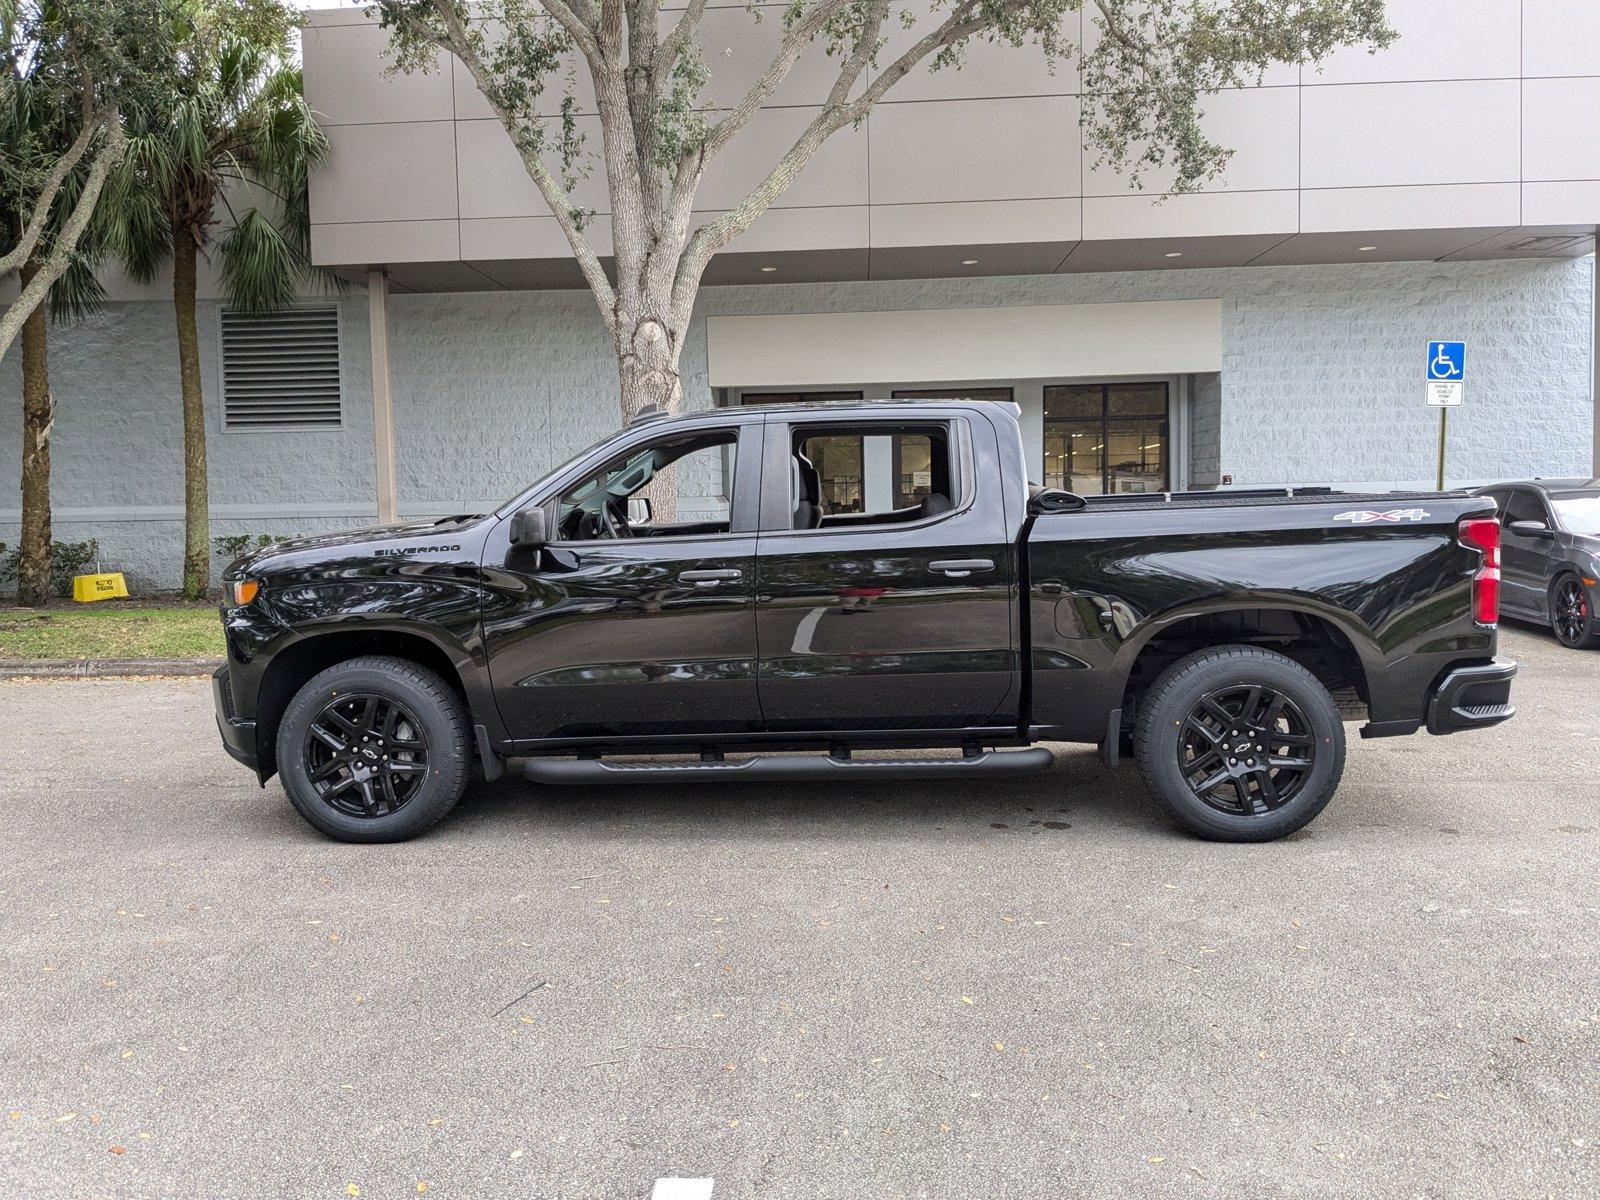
(934, 503)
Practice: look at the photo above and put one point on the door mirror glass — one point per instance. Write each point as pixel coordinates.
(640, 510)
(1530, 529)
(528, 528)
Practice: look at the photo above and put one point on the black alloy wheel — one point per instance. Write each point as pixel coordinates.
(1240, 743)
(366, 755)
(1569, 613)
(375, 749)
(1246, 750)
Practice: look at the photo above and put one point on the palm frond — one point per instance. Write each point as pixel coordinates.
(77, 293)
(259, 266)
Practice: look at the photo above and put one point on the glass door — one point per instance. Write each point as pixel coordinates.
(1106, 438)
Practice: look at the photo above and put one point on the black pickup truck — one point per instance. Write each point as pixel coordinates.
(694, 600)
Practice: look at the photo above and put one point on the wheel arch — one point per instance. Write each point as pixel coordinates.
(1330, 644)
(315, 650)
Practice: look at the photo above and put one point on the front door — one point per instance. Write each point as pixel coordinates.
(892, 618)
(1524, 559)
(630, 624)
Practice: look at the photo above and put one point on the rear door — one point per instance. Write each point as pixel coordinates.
(876, 617)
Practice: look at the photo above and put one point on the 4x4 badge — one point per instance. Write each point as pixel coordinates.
(1367, 516)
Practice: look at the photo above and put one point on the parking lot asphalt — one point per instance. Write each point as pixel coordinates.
(1018, 988)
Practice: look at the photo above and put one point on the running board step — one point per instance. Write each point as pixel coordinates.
(790, 768)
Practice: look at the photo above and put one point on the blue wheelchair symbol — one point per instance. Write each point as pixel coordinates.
(1447, 361)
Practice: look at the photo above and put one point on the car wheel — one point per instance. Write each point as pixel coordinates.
(1572, 617)
(374, 749)
(1240, 744)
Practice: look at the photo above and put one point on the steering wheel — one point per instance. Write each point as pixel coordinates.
(608, 522)
(616, 518)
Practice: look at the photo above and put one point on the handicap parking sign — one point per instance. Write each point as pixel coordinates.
(1446, 379)
(1447, 362)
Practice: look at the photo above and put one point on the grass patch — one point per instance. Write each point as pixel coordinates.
(112, 629)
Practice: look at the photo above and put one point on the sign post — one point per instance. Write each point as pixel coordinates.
(1446, 382)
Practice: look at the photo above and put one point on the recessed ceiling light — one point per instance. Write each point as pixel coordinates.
(969, 262)
(768, 270)
(1366, 249)
(1174, 253)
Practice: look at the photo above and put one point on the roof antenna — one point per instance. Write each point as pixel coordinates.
(650, 412)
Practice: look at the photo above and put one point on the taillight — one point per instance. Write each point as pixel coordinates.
(1483, 534)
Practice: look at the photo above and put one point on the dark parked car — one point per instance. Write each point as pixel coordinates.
(1550, 551)
(757, 634)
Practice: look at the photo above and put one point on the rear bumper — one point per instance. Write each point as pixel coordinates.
(238, 737)
(1474, 697)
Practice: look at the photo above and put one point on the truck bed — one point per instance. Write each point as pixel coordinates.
(1256, 496)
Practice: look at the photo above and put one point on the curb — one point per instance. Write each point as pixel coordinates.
(104, 668)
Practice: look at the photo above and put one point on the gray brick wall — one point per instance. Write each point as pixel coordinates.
(1205, 430)
(1321, 383)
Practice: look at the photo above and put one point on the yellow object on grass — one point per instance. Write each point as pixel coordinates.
(109, 586)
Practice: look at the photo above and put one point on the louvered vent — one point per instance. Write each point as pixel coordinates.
(281, 370)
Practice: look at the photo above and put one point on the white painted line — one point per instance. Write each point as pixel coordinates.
(672, 1188)
(806, 630)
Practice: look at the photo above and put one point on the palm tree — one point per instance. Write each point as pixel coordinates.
(220, 164)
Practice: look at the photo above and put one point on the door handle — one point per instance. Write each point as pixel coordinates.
(956, 568)
(721, 576)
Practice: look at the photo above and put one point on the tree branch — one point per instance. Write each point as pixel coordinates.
(964, 20)
(561, 207)
(795, 40)
(13, 259)
(676, 42)
(66, 241)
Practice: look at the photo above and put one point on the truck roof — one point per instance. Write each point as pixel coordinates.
(862, 408)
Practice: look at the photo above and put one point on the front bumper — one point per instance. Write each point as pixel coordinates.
(1474, 697)
(238, 737)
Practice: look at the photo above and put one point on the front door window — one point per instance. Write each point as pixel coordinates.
(1104, 438)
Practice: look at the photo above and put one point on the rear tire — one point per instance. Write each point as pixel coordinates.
(375, 749)
(1240, 744)
(1572, 616)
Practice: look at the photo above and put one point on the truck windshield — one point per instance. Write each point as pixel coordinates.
(1578, 513)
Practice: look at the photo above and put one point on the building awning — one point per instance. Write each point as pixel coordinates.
(1049, 341)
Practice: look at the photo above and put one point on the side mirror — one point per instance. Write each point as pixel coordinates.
(1531, 529)
(528, 528)
(640, 511)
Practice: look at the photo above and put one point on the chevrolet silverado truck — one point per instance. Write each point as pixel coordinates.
(696, 599)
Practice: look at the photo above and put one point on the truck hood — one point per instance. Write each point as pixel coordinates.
(351, 542)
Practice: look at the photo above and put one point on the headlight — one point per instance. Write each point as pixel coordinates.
(244, 591)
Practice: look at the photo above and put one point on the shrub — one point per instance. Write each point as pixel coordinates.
(66, 560)
(232, 546)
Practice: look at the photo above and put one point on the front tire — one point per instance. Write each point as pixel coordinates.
(1572, 616)
(1240, 744)
(375, 749)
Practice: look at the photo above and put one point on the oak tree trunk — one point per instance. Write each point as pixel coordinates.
(196, 507)
(38, 415)
(647, 362)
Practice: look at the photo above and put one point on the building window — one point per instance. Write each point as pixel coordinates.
(1001, 395)
(796, 397)
(1106, 438)
(281, 370)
